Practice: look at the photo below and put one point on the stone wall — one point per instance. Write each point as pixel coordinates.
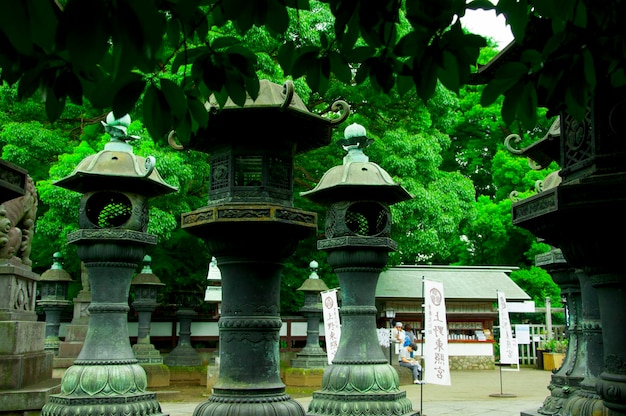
(465, 362)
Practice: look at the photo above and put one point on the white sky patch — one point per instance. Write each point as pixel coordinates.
(488, 24)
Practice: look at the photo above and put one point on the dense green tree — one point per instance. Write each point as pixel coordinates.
(431, 148)
(113, 52)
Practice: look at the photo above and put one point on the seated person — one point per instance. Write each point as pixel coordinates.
(405, 360)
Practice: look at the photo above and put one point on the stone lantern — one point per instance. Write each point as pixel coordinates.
(53, 287)
(184, 355)
(251, 228)
(106, 378)
(312, 355)
(145, 288)
(358, 229)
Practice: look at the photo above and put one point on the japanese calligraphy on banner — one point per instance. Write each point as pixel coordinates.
(436, 358)
(508, 346)
(332, 325)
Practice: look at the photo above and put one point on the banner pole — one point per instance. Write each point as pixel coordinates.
(423, 331)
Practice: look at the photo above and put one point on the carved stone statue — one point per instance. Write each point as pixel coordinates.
(17, 225)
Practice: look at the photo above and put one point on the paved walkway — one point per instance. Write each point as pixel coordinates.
(497, 393)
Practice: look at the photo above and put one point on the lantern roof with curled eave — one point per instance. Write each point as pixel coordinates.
(56, 273)
(358, 178)
(147, 277)
(117, 167)
(277, 116)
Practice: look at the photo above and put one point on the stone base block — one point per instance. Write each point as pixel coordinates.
(304, 377)
(70, 350)
(76, 333)
(63, 363)
(20, 371)
(158, 375)
(21, 337)
(188, 374)
(28, 400)
(212, 374)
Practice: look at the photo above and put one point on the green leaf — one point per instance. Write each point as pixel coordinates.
(360, 54)
(127, 96)
(54, 105)
(173, 29)
(404, 83)
(449, 73)
(618, 78)
(425, 77)
(188, 57)
(408, 45)
(221, 97)
(156, 113)
(510, 104)
(518, 19)
(277, 17)
(29, 83)
(252, 86)
(480, 4)
(242, 59)
(340, 67)
(306, 59)
(580, 14)
(201, 27)
(68, 84)
(286, 55)
(198, 111)
(214, 77)
(313, 76)
(589, 69)
(224, 42)
(363, 71)
(16, 26)
(382, 74)
(43, 24)
(298, 4)
(506, 77)
(236, 88)
(87, 37)
(175, 98)
(528, 106)
(183, 128)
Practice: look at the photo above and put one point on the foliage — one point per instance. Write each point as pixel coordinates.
(538, 284)
(555, 345)
(115, 54)
(446, 152)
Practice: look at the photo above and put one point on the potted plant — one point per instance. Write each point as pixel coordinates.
(554, 353)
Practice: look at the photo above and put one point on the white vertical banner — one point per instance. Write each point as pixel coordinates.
(508, 346)
(436, 358)
(332, 325)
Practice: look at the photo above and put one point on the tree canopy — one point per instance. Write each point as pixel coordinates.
(159, 61)
(116, 53)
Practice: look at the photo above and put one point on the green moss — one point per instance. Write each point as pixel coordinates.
(188, 369)
(304, 371)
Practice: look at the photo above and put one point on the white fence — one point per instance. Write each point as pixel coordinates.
(538, 335)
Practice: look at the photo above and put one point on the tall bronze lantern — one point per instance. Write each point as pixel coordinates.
(251, 228)
(112, 240)
(358, 194)
(53, 286)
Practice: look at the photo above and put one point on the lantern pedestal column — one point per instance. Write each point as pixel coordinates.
(106, 375)
(249, 380)
(360, 381)
(312, 355)
(359, 361)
